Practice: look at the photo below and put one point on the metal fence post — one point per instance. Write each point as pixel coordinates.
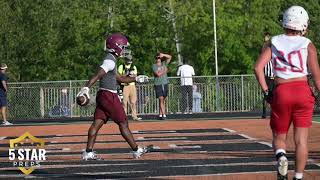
(41, 102)
(70, 98)
(242, 94)
(217, 94)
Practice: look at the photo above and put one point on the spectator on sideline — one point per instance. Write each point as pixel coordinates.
(64, 102)
(196, 105)
(129, 90)
(186, 72)
(292, 101)
(161, 81)
(3, 94)
(268, 73)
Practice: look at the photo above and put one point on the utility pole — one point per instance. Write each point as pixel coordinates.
(215, 36)
(217, 95)
(176, 36)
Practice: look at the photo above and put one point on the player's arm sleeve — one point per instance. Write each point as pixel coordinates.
(178, 72)
(193, 72)
(108, 65)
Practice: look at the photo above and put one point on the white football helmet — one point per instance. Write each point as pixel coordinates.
(296, 18)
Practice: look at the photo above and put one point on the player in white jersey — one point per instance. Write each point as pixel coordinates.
(292, 101)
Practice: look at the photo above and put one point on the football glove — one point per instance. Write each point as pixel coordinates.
(267, 96)
(84, 91)
(142, 79)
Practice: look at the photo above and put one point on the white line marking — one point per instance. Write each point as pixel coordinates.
(156, 147)
(195, 147)
(11, 175)
(229, 130)
(76, 165)
(181, 147)
(219, 174)
(172, 145)
(162, 131)
(155, 131)
(165, 138)
(248, 137)
(265, 143)
(3, 137)
(229, 164)
(140, 138)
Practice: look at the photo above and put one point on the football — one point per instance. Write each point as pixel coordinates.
(82, 100)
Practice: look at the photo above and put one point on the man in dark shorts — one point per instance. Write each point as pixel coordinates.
(3, 94)
(161, 81)
(108, 105)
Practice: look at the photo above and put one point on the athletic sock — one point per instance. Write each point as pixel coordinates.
(164, 115)
(298, 175)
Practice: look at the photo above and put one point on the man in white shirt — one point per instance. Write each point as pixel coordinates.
(186, 72)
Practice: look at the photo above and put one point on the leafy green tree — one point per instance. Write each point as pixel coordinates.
(62, 39)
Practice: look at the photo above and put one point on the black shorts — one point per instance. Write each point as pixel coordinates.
(3, 101)
(161, 90)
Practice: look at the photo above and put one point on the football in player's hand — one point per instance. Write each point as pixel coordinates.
(82, 100)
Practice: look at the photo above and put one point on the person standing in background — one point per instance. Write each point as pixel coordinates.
(161, 81)
(3, 94)
(129, 90)
(268, 73)
(186, 72)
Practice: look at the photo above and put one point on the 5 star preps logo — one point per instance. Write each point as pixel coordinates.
(26, 152)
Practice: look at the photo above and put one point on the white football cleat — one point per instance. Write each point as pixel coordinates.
(282, 168)
(90, 156)
(139, 152)
(6, 123)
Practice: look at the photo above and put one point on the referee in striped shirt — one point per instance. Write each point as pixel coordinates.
(268, 73)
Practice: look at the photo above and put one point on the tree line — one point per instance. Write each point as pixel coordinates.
(63, 40)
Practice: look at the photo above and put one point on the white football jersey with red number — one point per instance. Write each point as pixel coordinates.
(289, 56)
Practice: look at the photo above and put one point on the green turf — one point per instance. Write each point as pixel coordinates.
(316, 118)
